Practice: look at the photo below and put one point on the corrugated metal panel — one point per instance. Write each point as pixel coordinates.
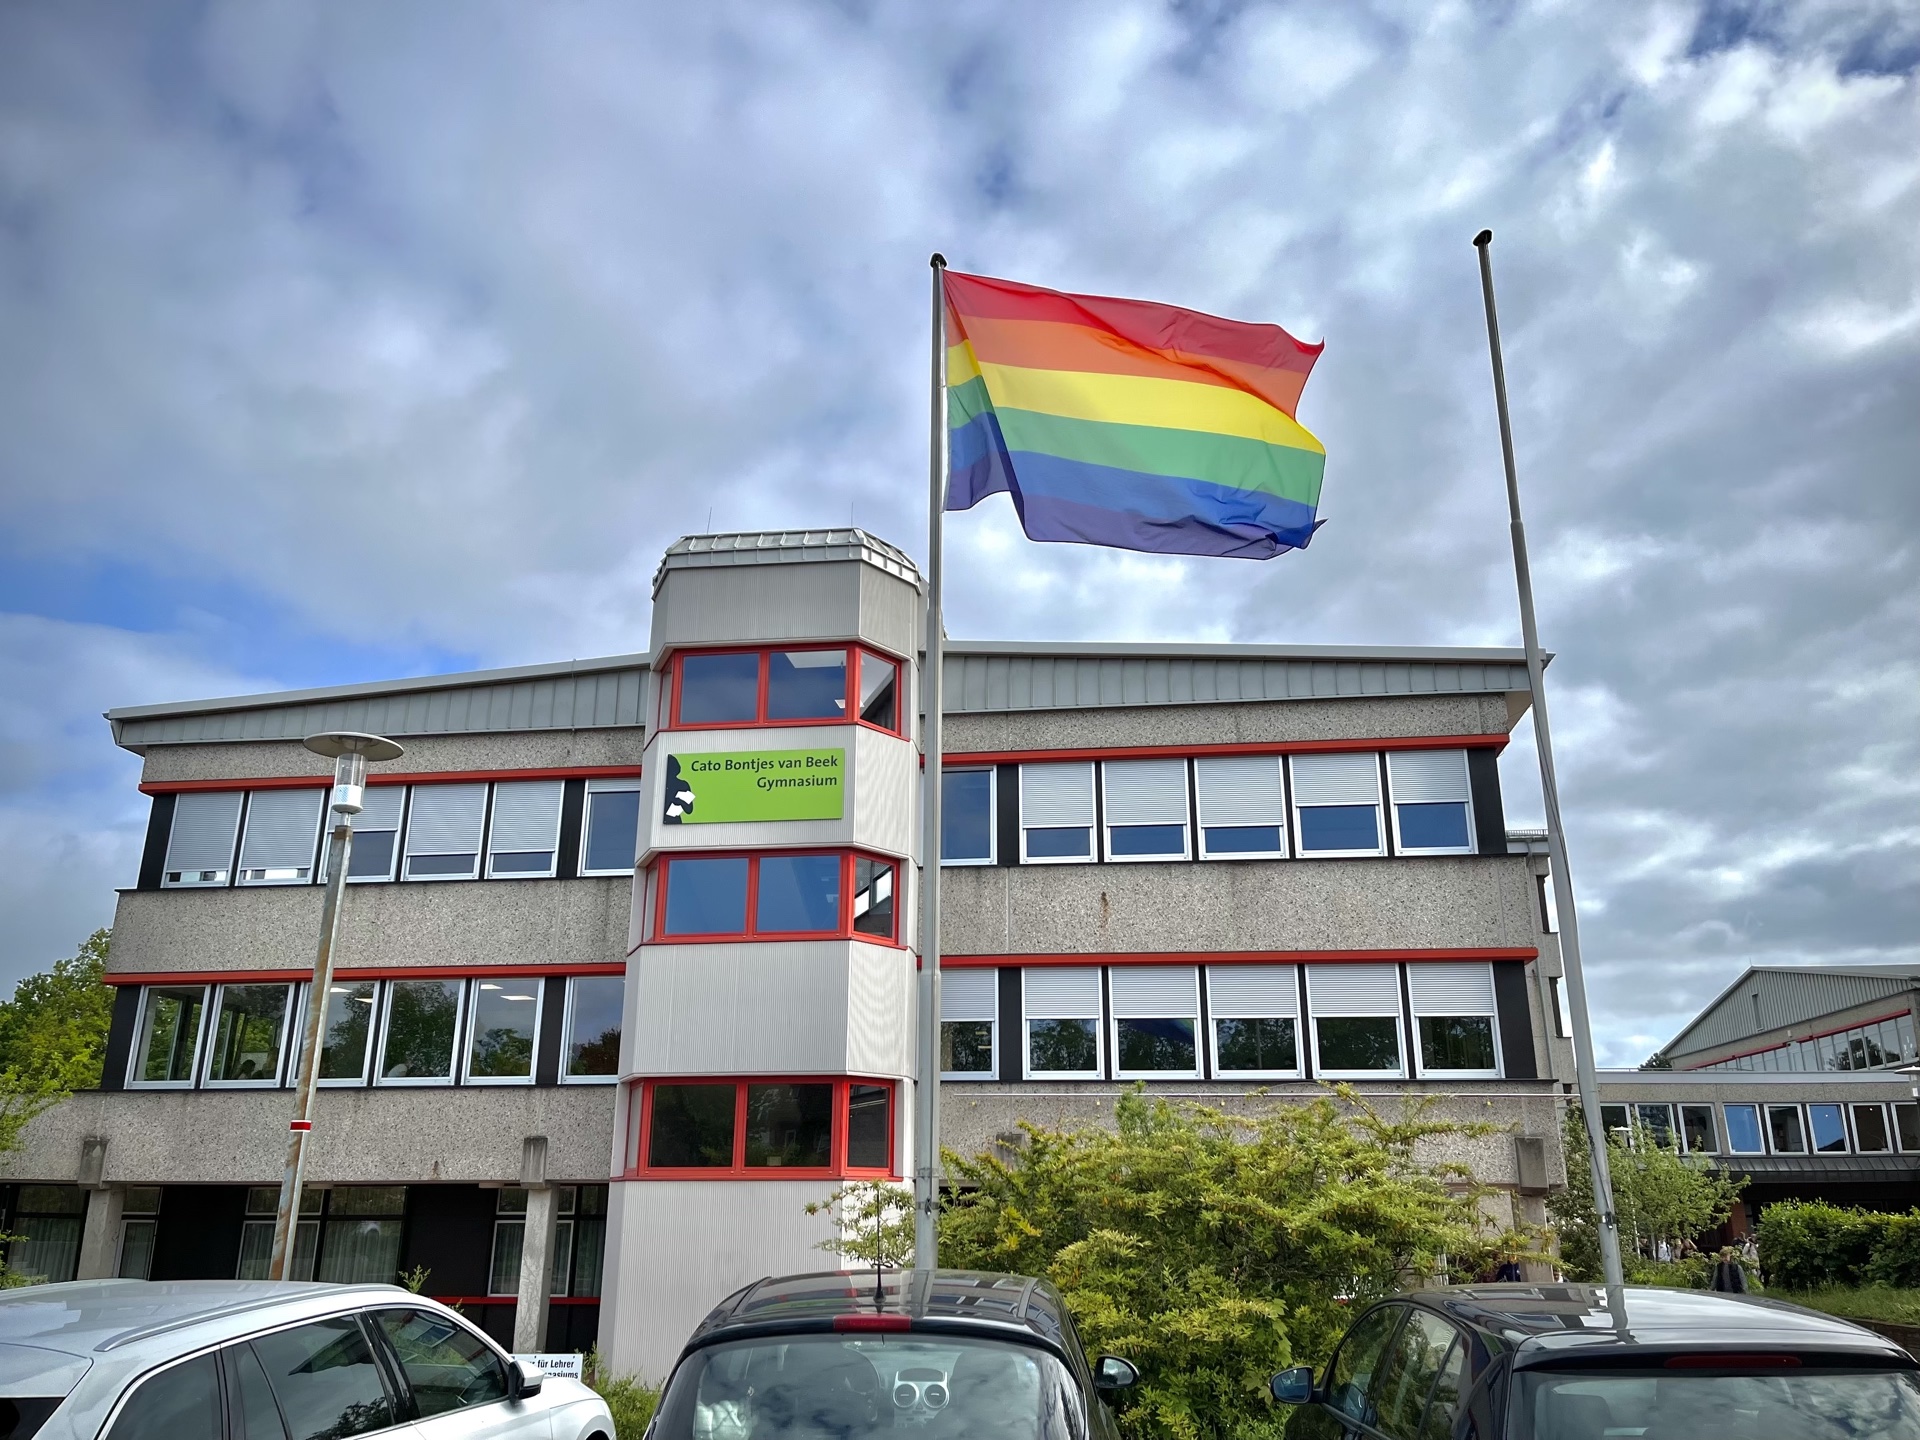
(969, 994)
(1354, 989)
(1071, 993)
(1774, 999)
(204, 826)
(1451, 988)
(1155, 992)
(1240, 790)
(1253, 991)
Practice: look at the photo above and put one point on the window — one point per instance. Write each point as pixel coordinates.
(505, 1031)
(706, 896)
(1399, 1393)
(873, 908)
(447, 1367)
(249, 1023)
(167, 1039)
(1828, 1127)
(443, 835)
(252, 1412)
(1785, 1134)
(780, 895)
(797, 895)
(1657, 1122)
(344, 1032)
(969, 1007)
(1615, 1124)
(1870, 1133)
(1336, 804)
(1146, 804)
(966, 817)
(1356, 1020)
(1906, 1127)
(46, 1233)
(283, 828)
(1062, 1013)
(807, 685)
(200, 845)
(1056, 812)
(594, 1005)
(1360, 1357)
(1156, 1021)
(181, 1402)
(1696, 1126)
(1255, 1010)
(1432, 813)
(139, 1218)
(376, 834)
(525, 838)
(256, 1233)
(360, 1240)
(719, 689)
(510, 1236)
(768, 1129)
(1557, 994)
(611, 834)
(1743, 1130)
(1243, 811)
(423, 1017)
(1454, 1016)
(325, 1378)
(879, 691)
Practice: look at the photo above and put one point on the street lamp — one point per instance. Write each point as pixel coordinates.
(350, 752)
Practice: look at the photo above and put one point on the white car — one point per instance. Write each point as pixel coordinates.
(247, 1360)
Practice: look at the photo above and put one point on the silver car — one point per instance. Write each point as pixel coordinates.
(244, 1360)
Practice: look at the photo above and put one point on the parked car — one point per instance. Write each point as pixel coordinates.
(245, 1360)
(932, 1355)
(1557, 1362)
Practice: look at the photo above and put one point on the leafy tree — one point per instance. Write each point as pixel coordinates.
(1214, 1249)
(1658, 1194)
(874, 1223)
(53, 1037)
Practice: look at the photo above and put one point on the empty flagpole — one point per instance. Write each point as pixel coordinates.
(926, 1088)
(1586, 1075)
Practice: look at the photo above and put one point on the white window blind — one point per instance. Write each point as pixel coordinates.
(1056, 794)
(1253, 992)
(618, 782)
(446, 819)
(1154, 992)
(1353, 989)
(969, 994)
(381, 808)
(1063, 993)
(204, 823)
(1336, 779)
(1451, 988)
(1427, 777)
(526, 815)
(1239, 790)
(282, 826)
(1146, 792)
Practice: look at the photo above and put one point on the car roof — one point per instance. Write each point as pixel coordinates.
(1551, 1324)
(96, 1317)
(1013, 1306)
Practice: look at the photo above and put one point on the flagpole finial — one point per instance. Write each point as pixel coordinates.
(939, 261)
(1483, 239)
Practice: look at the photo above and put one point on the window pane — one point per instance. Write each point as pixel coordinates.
(1147, 840)
(1243, 839)
(45, 1247)
(593, 1033)
(360, 1252)
(1359, 1359)
(246, 1036)
(1433, 827)
(325, 1378)
(1829, 1129)
(1339, 827)
(389, 1200)
(1456, 1042)
(1657, 1121)
(1060, 844)
(790, 1126)
(1613, 1121)
(1445, 1404)
(1061, 1046)
(1696, 1122)
(422, 1016)
(1783, 1130)
(1255, 1045)
(589, 1250)
(1906, 1125)
(372, 854)
(136, 1249)
(797, 893)
(966, 815)
(872, 897)
(1154, 1045)
(1743, 1129)
(504, 1032)
(879, 692)
(1870, 1129)
(807, 685)
(1363, 1042)
(613, 828)
(719, 689)
(343, 1051)
(250, 1405)
(869, 1126)
(707, 897)
(966, 1046)
(182, 1402)
(447, 1367)
(170, 1032)
(692, 1127)
(1400, 1394)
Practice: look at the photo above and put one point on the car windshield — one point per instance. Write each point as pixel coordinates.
(1777, 1405)
(848, 1387)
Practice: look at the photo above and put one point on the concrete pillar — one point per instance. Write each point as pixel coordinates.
(100, 1235)
(536, 1249)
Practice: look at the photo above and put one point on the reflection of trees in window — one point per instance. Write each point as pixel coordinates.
(1155, 1045)
(598, 1056)
(343, 1051)
(790, 1125)
(1456, 1042)
(420, 1029)
(246, 1043)
(502, 1051)
(1061, 1045)
(1256, 1044)
(966, 1045)
(173, 1032)
(1360, 1042)
(692, 1127)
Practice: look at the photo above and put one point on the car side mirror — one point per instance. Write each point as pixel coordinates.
(526, 1382)
(1293, 1387)
(1110, 1372)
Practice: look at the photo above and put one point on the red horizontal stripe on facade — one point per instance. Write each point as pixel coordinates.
(1252, 747)
(371, 972)
(422, 777)
(1238, 957)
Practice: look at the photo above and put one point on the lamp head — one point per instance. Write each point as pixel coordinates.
(350, 751)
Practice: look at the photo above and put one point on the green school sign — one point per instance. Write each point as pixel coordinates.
(727, 786)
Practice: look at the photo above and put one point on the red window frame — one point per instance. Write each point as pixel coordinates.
(660, 879)
(851, 653)
(640, 1097)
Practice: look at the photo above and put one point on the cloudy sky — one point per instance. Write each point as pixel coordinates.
(343, 342)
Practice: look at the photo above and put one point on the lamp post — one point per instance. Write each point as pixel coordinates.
(350, 752)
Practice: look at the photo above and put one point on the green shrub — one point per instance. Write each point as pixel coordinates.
(1691, 1272)
(632, 1401)
(1896, 1258)
(1812, 1245)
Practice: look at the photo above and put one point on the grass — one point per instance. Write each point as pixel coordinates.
(632, 1401)
(1865, 1302)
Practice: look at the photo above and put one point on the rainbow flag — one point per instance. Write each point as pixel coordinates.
(1124, 423)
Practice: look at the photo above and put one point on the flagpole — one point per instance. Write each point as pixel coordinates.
(926, 1088)
(1586, 1075)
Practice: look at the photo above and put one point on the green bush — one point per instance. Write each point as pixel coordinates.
(1691, 1272)
(631, 1401)
(1896, 1258)
(1812, 1245)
